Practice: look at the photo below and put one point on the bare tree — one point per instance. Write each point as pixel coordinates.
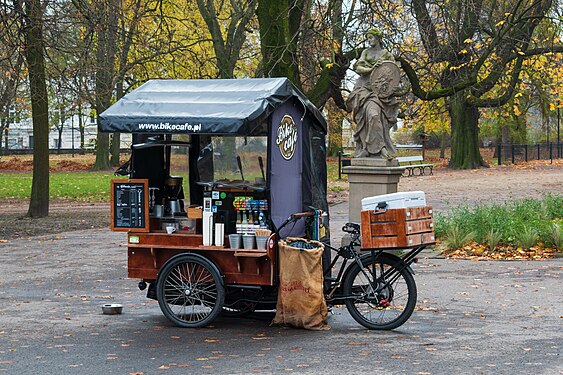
(228, 43)
(31, 14)
(11, 63)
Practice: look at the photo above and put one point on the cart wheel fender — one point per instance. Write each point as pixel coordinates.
(390, 257)
(197, 256)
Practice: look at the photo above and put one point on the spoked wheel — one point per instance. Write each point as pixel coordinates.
(381, 294)
(190, 291)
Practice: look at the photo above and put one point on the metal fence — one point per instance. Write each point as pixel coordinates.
(510, 153)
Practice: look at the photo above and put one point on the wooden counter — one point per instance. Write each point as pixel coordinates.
(148, 252)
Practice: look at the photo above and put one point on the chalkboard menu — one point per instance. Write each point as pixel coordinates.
(130, 205)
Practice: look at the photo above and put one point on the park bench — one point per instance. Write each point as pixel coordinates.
(414, 166)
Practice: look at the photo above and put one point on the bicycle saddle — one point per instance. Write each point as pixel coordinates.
(351, 228)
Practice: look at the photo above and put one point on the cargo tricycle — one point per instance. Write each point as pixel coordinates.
(220, 170)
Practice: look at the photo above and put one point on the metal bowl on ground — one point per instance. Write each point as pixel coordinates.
(112, 308)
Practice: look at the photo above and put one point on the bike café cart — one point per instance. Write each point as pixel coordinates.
(210, 159)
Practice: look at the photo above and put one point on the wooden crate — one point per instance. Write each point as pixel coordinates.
(397, 228)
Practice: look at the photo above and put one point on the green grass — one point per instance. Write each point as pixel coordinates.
(332, 171)
(79, 186)
(520, 223)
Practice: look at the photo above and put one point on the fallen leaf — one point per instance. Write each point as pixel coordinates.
(357, 343)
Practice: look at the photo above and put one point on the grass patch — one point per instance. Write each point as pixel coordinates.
(522, 223)
(79, 186)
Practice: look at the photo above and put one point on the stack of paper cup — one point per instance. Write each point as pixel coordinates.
(219, 234)
(207, 228)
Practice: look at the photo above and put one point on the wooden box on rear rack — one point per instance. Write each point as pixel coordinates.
(397, 228)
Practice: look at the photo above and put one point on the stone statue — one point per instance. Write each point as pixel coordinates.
(373, 100)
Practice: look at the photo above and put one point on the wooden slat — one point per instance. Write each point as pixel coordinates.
(424, 212)
(384, 229)
(387, 216)
(248, 254)
(365, 228)
(420, 226)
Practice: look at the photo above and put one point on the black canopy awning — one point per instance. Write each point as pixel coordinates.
(204, 106)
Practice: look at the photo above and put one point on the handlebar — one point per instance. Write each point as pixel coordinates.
(292, 219)
(302, 214)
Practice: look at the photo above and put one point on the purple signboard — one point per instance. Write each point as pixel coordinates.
(286, 165)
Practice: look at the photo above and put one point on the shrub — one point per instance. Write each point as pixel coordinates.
(493, 238)
(528, 237)
(457, 236)
(517, 223)
(556, 236)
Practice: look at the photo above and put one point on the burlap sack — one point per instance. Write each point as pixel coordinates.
(301, 300)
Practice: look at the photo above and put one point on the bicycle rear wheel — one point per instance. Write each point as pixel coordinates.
(381, 294)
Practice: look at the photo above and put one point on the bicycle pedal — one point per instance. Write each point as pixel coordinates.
(331, 279)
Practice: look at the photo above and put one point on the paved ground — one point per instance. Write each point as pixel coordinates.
(472, 317)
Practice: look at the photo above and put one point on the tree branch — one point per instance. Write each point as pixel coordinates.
(420, 93)
(427, 30)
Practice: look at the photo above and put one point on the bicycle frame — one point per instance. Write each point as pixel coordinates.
(332, 285)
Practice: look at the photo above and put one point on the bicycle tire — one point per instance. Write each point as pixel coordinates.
(386, 303)
(189, 291)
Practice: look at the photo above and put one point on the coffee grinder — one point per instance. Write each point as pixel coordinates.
(174, 195)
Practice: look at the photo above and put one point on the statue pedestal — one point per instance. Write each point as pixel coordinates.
(369, 177)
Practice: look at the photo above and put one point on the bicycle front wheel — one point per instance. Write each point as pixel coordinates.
(381, 294)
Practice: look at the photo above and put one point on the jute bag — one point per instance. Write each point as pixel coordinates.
(301, 300)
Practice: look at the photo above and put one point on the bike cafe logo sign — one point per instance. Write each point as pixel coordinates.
(287, 137)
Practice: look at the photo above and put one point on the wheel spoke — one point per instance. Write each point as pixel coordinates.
(189, 292)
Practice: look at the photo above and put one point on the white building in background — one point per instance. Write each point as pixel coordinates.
(20, 135)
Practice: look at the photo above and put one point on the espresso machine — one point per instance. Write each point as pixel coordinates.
(174, 195)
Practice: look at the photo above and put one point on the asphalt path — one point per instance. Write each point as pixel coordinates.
(488, 317)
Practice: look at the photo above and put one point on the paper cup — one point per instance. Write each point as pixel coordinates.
(249, 241)
(235, 240)
(261, 242)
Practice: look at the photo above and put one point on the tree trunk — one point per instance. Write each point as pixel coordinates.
(39, 202)
(60, 142)
(115, 148)
(279, 22)
(105, 61)
(505, 142)
(81, 128)
(465, 133)
(443, 145)
(116, 137)
(6, 130)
